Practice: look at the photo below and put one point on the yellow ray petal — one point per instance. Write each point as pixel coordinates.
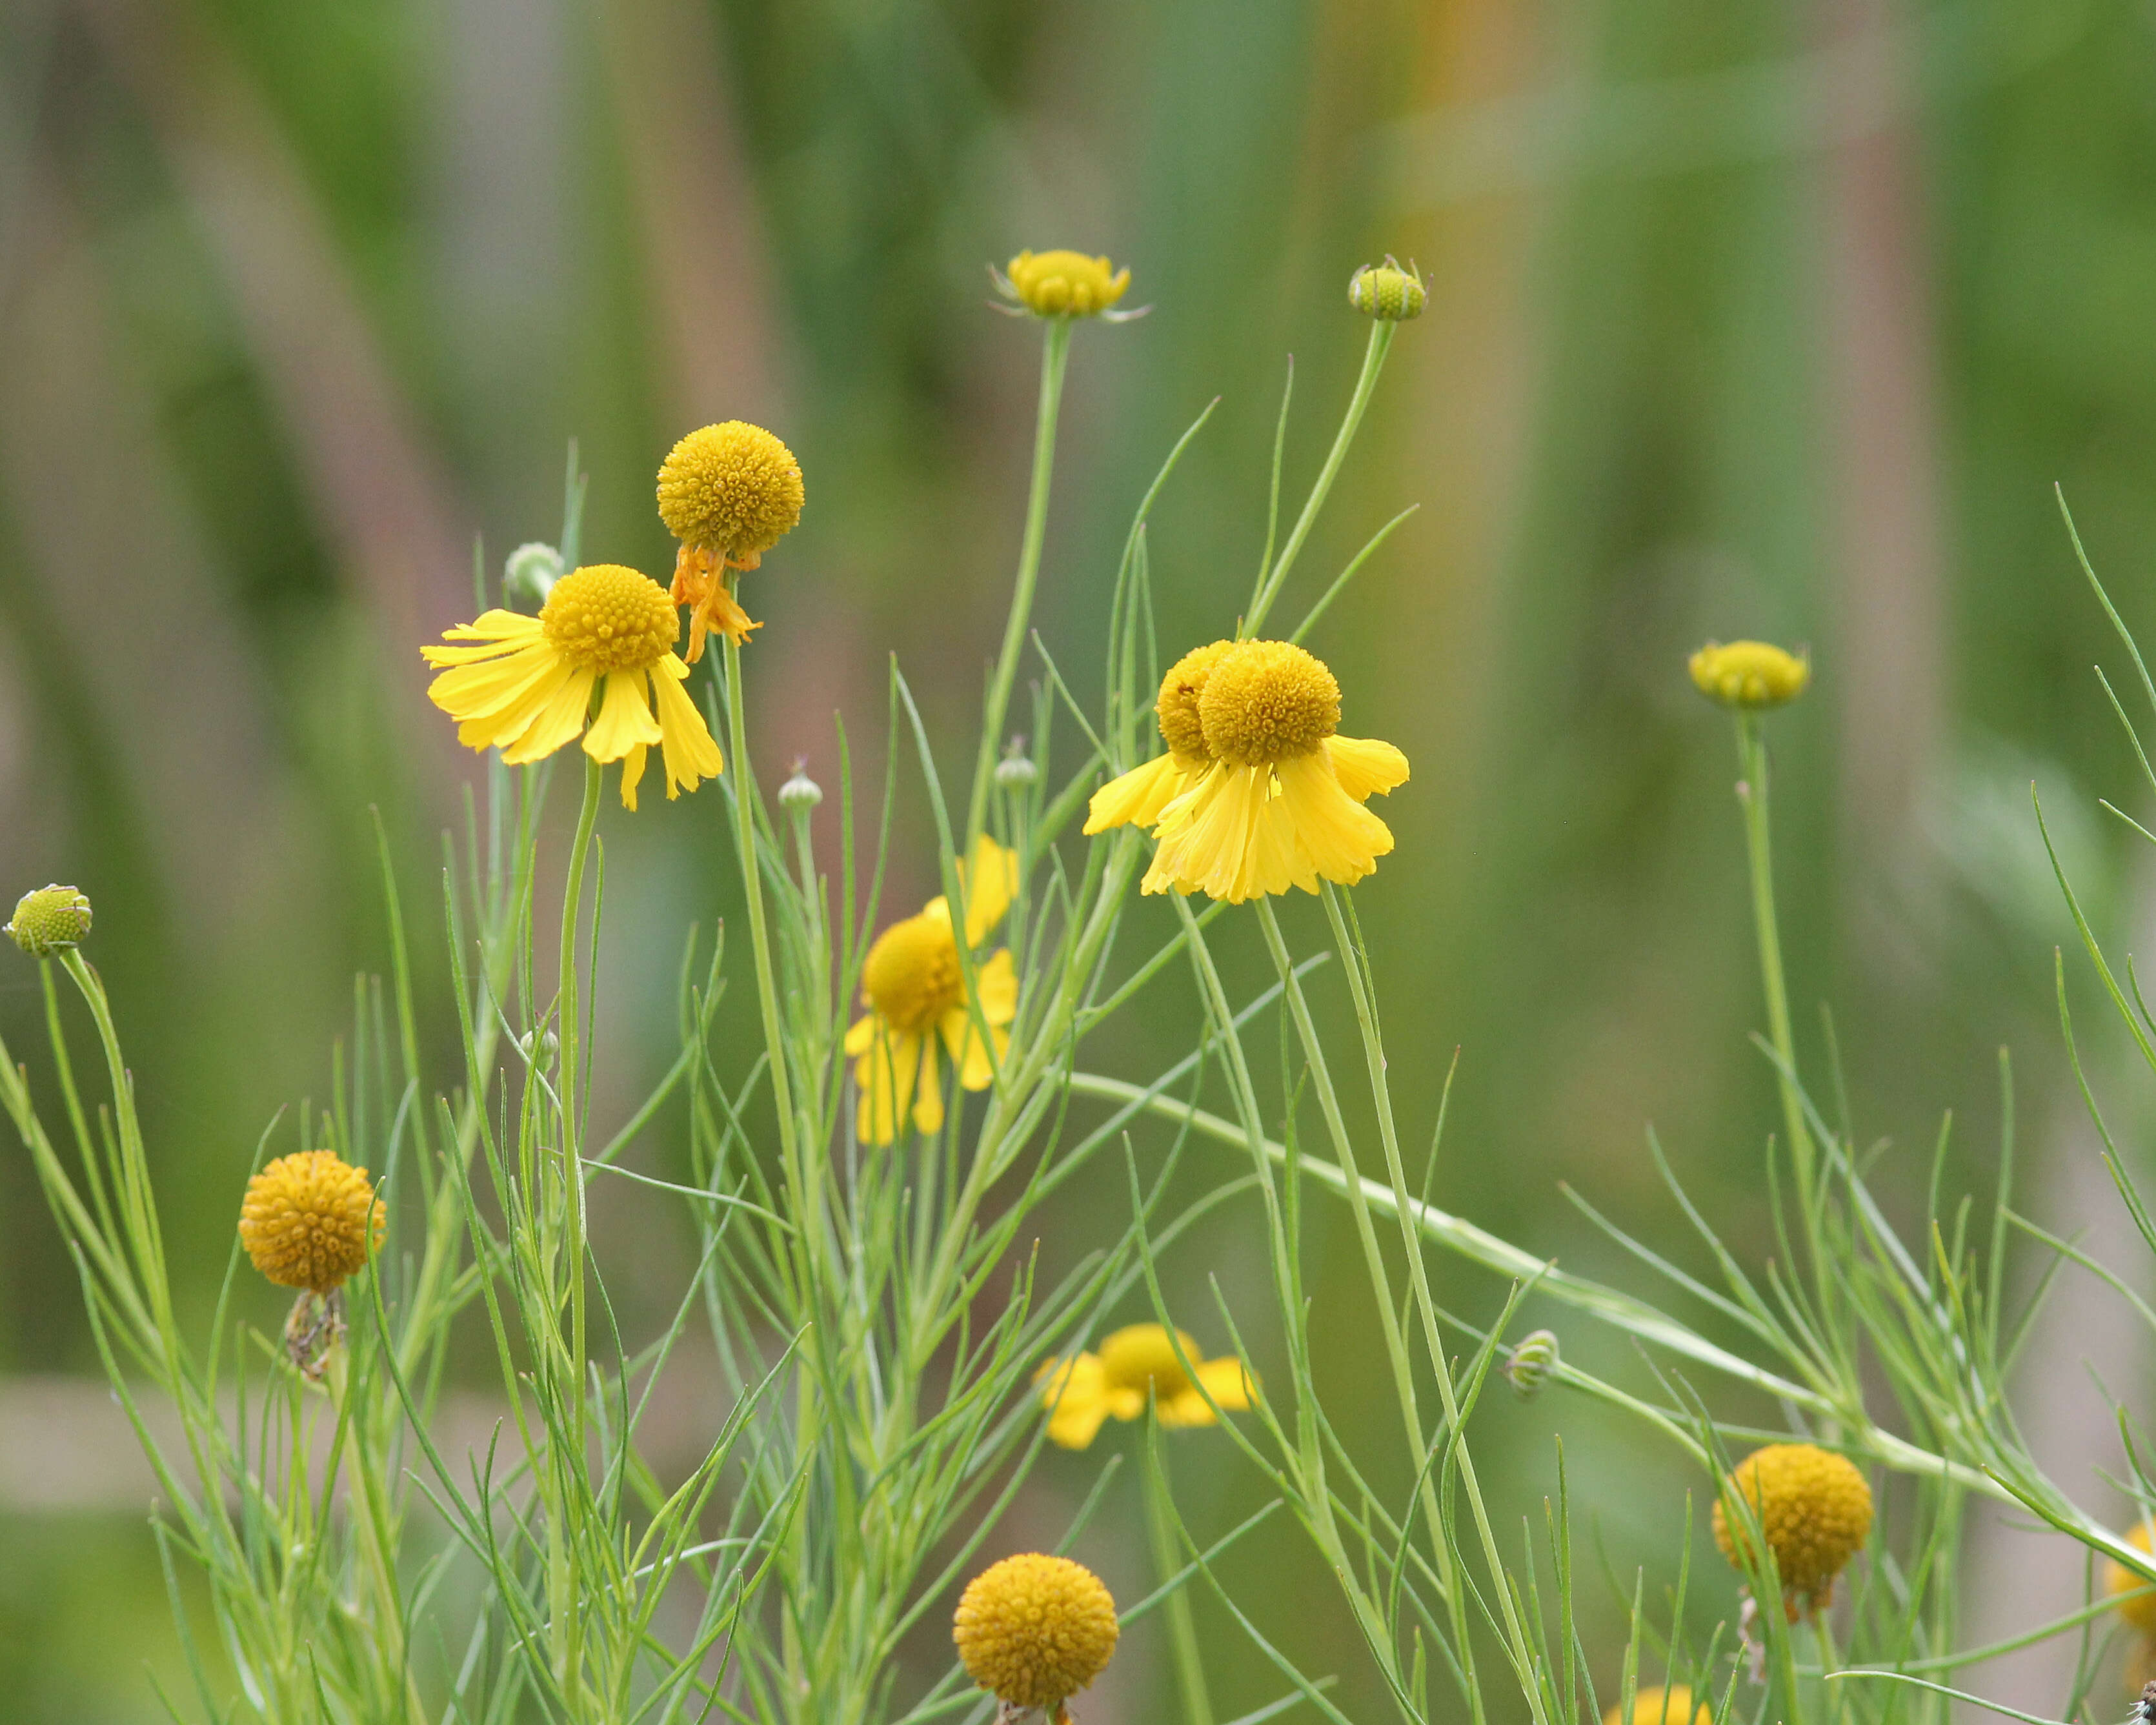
(689, 754)
(1366, 767)
(556, 722)
(995, 986)
(496, 683)
(990, 878)
(889, 1063)
(968, 1053)
(928, 1091)
(503, 724)
(624, 721)
(631, 776)
(1137, 798)
(1073, 1391)
(1342, 839)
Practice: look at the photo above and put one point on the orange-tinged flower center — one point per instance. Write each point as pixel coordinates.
(1267, 701)
(609, 618)
(911, 976)
(1181, 728)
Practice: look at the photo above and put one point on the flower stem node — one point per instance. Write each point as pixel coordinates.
(51, 920)
(1528, 1367)
(531, 571)
(1064, 284)
(1814, 1509)
(1749, 674)
(1387, 292)
(1033, 1631)
(1673, 1706)
(309, 1219)
(800, 794)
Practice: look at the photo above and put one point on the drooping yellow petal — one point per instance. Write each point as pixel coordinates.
(1075, 1394)
(1341, 838)
(690, 753)
(1365, 767)
(1137, 798)
(499, 717)
(887, 1065)
(624, 721)
(968, 1053)
(990, 879)
(1230, 838)
(928, 1091)
(558, 722)
(995, 986)
(1228, 1380)
(631, 776)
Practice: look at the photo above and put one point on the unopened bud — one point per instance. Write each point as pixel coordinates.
(531, 572)
(800, 793)
(49, 921)
(1015, 772)
(1387, 292)
(1749, 674)
(540, 1048)
(1529, 1364)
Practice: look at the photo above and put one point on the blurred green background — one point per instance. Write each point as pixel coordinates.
(1746, 318)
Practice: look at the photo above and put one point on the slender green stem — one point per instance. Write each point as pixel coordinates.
(1182, 1632)
(1751, 794)
(1056, 353)
(1268, 585)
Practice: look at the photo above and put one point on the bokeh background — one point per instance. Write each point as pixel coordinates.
(1746, 318)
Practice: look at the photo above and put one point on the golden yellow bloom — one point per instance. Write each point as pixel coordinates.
(49, 921)
(309, 1219)
(1814, 1509)
(1033, 1631)
(1137, 798)
(527, 688)
(916, 992)
(1281, 803)
(729, 493)
(2139, 1613)
(1063, 284)
(1749, 674)
(1673, 1706)
(1081, 1393)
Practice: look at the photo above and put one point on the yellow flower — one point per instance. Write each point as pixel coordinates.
(527, 688)
(2139, 1613)
(1814, 1509)
(729, 493)
(305, 1221)
(1281, 805)
(1672, 1706)
(1749, 674)
(1081, 1393)
(1063, 284)
(916, 992)
(50, 920)
(1137, 798)
(1033, 1631)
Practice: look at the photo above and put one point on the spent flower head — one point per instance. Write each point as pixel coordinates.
(1034, 1630)
(1750, 674)
(1814, 1509)
(50, 920)
(728, 492)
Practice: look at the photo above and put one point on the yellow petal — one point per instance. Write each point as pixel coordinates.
(497, 683)
(995, 986)
(631, 776)
(1229, 838)
(884, 1073)
(1183, 1410)
(624, 721)
(861, 1037)
(1071, 1392)
(496, 627)
(556, 722)
(1365, 768)
(968, 1053)
(990, 878)
(1341, 838)
(1137, 798)
(690, 753)
(1228, 1380)
(928, 1091)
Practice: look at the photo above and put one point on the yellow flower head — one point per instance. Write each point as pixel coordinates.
(729, 493)
(1139, 797)
(527, 688)
(1813, 1506)
(50, 920)
(1387, 292)
(915, 990)
(1081, 1393)
(1673, 1706)
(1749, 674)
(308, 1221)
(2140, 1612)
(1033, 1631)
(1064, 284)
(1280, 801)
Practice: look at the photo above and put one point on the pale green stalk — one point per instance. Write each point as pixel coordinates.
(1182, 1632)
(1751, 794)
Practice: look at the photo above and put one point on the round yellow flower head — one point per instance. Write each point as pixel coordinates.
(1814, 1509)
(308, 1221)
(1063, 284)
(1181, 728)
(1749, 674)
(2139, 1613)
(1387, 292)
(50, 920)
(1268, 702)
(732, 489)
(1033, 1631)
(1138, 797)
(1673, 1706)
(911, 975)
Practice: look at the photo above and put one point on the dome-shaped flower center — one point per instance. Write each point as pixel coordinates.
(1180, 727)
(911, 976)
(1035, 1630)
(1266, 701)
(1065, 284)
(733, 489)
(1142, 1354)
(609, 618)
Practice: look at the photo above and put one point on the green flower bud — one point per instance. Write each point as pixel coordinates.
(1387, 292)
(1529, 1364)
(50, 920)
(531, 572)
(1016, 772)
(800, 794)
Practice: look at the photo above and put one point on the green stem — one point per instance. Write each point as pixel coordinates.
(1374, 362)
(1751, 794)
(1056, 353)
(1182, 1632)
